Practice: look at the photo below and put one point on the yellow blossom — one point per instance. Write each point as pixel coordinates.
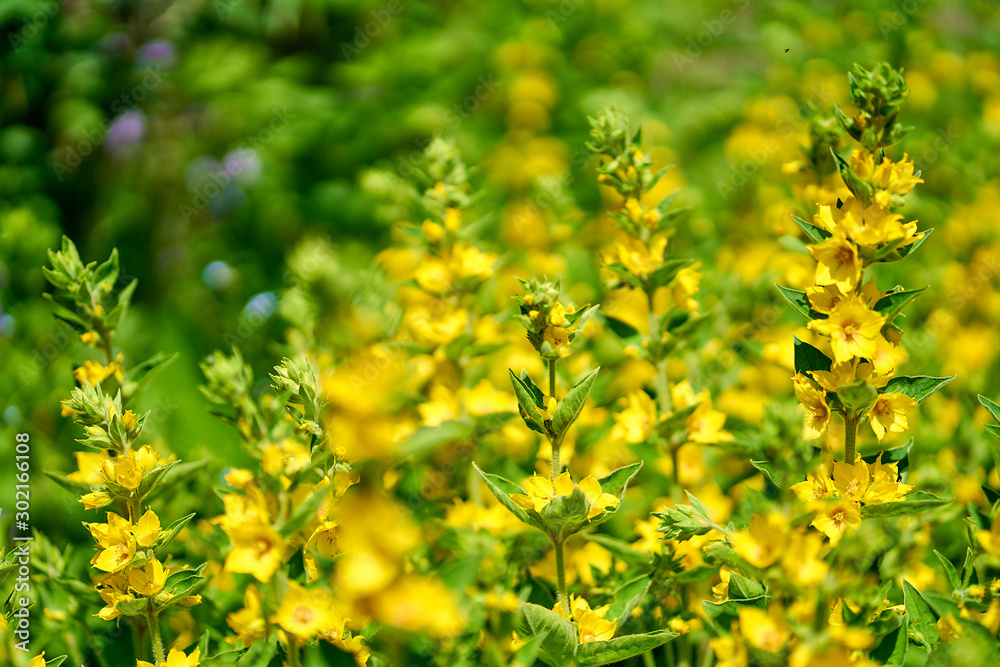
(814, 402)
(306, 613)
(837, 262)
(835, 518)
(176, 658)
(765, 630)
(852, 328)
(888, 414)
(764, 542)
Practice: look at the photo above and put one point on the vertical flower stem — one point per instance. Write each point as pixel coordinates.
(293, 652)
(563, 598)
(850, 436)
(152, 617)
(556, 464)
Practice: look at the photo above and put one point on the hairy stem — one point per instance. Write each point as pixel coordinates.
(556, 464)
(152, 617)
(293, 652)
(850, 437)
(562, 598)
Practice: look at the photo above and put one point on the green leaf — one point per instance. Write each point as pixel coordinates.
(991, 406)
(917, 387)
(666, 272)
(133, 607)
(732, 607)
(797, 300)
(570, 407)
(174, 475)
(815, 234)
(618, 480)
(921, 617)
(426, 439)
(304, 513)
(861, 189)
(953, 579)
(622, 329)
(620, 648)
(535, 391)
(744, 588)
(908, 250)
(528, 654)
(699, 507)
(626, 598)
(892, 304)
(808, 358)
(74, 487)
(168, 535)
(502, 489)
(260, 654)
(114, 318)
(139, 375)
(891, 649)
(55, 662)
(108, 271)
(560, 641)
(914, 504)
(526, 401)
(582, 322)
(898, 455)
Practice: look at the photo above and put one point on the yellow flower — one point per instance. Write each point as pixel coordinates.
(93, 373)
(90, 467)
(817, 486)
(541, 491)
(635, 423)
(433, 275)
(730, 651)
(764, 630)
(558, 338)
(834, 519)
(322, 541)
(176, 658)
(96, 500)
(814, 402)
(838, 262)
(990, 539)
(823, 298)
(306, 613)
(248, 623)
(803, 560)
(685, 286)
(591, 626)
(889, 413)
(258, 549)
(38, 660)
(852, 328)
(89, 338)
(470, 262)
(149, 580)
(638, 259)
(704, 425)
(851, 481)
(599, 501)
(764, 542)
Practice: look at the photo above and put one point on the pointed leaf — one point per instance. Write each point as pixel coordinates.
(797, 300)
(921, 617)
(503, 489)
(626, 598)
(560, 640)
(914, 504)
(917, 387)
(620, 648)
(808, 358)
(815, 234)
(953, 580)
(616, 482)
(892, 304)
(570, 407)
(667, 271)
(891, 649)
(304, 513)
(526, 401)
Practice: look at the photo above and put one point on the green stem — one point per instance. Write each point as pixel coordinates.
(152, 617)
(552, 378)
(293, 652)
(556, 464)
(647, 659)
(563, 598)
(850, 437)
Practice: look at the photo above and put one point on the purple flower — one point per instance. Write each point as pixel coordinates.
(157, 52)
(126, 130)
